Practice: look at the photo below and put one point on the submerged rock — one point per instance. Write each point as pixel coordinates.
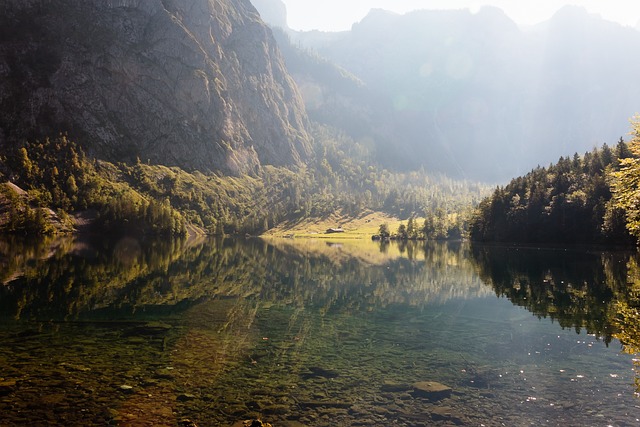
(74, 367)
(431, 390)
(185, 397)
(318, 372)
(394, 387)
(251, 423)
(126, 388)
(446, 413)
(148, 329)
(276, 410)
(7, 386)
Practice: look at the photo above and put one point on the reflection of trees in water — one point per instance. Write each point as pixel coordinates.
(17, 255)
(597, 291)
(66, 277)
(70, 279)
(577, 288)
(350, 281)
(625, 315)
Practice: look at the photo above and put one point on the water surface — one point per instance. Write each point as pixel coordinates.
(318, 333)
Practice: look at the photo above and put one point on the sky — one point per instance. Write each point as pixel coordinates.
(339, 15)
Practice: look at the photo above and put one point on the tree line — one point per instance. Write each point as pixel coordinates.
(59, 180)
(593, 198)
(153, 199)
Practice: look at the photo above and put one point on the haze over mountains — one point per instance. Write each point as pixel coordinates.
(472, 95)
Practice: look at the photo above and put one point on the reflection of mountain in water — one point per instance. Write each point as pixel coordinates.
(286, 326)
(67, 280)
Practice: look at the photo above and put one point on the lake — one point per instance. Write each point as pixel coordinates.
(302, 332)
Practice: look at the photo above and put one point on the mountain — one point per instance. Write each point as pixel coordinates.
(273, 12)
(475, 96)
(198, 84)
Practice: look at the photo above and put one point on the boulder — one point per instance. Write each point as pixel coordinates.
(431, 390)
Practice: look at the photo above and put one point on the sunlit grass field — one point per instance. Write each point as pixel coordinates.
(361, 227)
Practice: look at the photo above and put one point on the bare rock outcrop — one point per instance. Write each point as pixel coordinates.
(198, 84)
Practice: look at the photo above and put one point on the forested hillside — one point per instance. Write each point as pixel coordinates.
(581, 199)
(155, 199)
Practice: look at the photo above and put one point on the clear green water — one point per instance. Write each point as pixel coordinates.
(215, 332)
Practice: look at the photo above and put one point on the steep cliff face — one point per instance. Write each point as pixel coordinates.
(197, 84)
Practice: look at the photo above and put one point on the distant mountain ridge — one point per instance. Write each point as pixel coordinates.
(475, 96)
(273, 12)
(198, 84)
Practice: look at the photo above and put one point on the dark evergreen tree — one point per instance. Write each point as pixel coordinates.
(567, 202)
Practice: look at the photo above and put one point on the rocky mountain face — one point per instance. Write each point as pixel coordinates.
(198, 84)
(475, 96)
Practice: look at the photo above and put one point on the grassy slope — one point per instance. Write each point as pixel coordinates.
(360, 227)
